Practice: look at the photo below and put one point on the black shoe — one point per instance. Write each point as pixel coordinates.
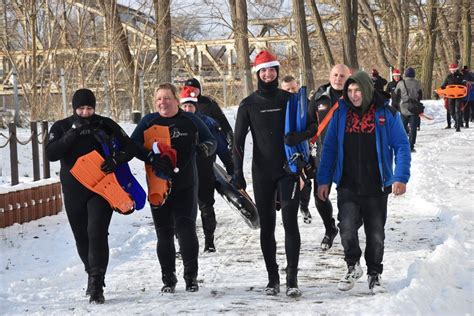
(97, 290)
(169, 281)
(292, 289)
(89, 285)
(273, 286)
(458, 129)
(413, 150)
(448, 127)
(209, 245)
(328, 239)
(191, 285)
(307, 218)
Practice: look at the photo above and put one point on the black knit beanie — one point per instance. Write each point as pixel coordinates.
(193, 82)
(83, 97)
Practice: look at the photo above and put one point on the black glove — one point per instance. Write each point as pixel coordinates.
(82, 126)
(443, 87)
(80, 123)
(238, 181)
(161, 164)
(108, 165)
(228, 163)
(205, 149)
(294, 138)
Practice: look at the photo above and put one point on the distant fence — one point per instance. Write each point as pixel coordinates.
(25, 202)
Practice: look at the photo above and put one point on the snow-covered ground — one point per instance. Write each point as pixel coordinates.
(428, 264)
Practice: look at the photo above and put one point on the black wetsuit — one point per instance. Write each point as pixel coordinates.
(178, 213)
(89, 214)
(263, 112)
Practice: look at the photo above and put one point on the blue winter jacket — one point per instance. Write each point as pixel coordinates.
(391, 141)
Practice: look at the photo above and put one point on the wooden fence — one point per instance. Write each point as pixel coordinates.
(22, 203)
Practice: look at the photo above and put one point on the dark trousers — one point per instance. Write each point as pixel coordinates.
(410, 124)
(324, 207)
(289, 193)
(355, 210)
(455, 111)
(89, 217)
(467, 113)
(206, 200)
(448, 118)
(177, 215)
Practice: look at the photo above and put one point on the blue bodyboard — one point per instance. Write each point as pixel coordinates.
(125, 177)
(295, 121)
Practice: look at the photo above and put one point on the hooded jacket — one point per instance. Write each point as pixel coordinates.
(390, 141)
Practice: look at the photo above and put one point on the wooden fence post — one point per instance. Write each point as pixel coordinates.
(13, 154)
(44, 132)
(35, 150)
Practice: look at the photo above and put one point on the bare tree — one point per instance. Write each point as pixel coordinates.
(402, 26)
(163, 40)
(238, 10)
(430, 49)
(120, 40)
(467, 33)
(349, 17)
(321, 33)
(382, 59)
(304, 53)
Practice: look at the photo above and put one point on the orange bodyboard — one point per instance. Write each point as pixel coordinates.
(158, 188)
(87, 171)
(452, 92)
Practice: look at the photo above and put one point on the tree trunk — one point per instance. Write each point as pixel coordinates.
(382, 59)
(163, 40)
(349, 17)
(238, 9)
(447, 43)
(430, 50)
(467, 33)
(304, 53)
(321, 33)
(402, 34)
(454, 27)
(120, 40)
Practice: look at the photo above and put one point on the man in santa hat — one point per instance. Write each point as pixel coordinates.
(263, 113)
(454, 105)
(396, 76)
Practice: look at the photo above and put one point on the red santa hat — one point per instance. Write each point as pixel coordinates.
(396, 72)
(453, 67)
(265, 59)
(188, 94)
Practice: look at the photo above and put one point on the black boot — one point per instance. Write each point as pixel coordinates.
(209, 244)
(331, 233)
(191, 284)
(169, 282)
(89, 285)
(97, 290)
(292, 289)
(273, 286)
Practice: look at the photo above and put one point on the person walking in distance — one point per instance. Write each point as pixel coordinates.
(263, 113)
(408, 90)
(454, 78)
(364, 139)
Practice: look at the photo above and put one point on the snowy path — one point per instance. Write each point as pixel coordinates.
(428, 269)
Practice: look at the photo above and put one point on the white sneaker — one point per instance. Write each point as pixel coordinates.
(353, 274)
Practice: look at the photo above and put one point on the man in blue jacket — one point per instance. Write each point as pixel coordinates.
(358, 154)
